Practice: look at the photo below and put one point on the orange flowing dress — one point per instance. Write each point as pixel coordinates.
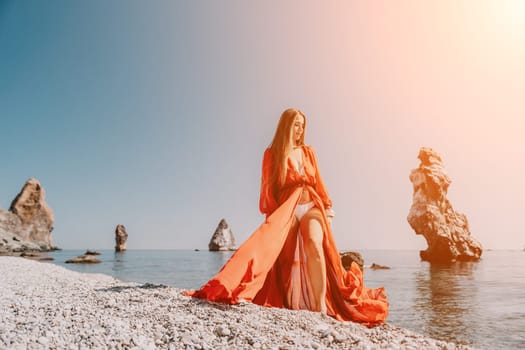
(270, 267)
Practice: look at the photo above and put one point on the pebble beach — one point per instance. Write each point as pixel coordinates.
(45, 306)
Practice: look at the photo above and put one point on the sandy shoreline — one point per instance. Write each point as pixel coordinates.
(47, 306)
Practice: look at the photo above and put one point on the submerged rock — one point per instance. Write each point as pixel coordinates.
(121, 237)
(222, 239)
(83, 259)
(29, 255)
(29, 220)
(36, 256)
(446, 231)
(348, 257)
(375, 266)
(91, 252)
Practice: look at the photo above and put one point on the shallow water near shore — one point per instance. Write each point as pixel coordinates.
(479, 304)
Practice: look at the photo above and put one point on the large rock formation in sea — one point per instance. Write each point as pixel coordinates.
(29, 222)
(222, 239)
(348, 257)
(446, 231)
(121, 237)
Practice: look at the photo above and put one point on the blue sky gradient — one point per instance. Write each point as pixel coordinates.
(155, 115)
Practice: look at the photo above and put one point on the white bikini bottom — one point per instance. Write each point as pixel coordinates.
(302, 209)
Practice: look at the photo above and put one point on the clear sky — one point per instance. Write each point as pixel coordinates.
(155, 114)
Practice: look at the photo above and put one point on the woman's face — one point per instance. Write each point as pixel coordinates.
(297, 128)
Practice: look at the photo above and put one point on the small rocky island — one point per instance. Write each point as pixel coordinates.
(222, 239)
(446, 231)
(27, 225)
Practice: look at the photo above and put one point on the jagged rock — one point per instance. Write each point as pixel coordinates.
(34, 213)
(375, 266)
(29, 219)
(348, 257)
(121, 237)
(446, 231)
(11, 243)
(222, 239)
(83, 259)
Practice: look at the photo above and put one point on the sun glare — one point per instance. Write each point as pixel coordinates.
(513, 16)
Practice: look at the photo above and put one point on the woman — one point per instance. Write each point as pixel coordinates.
(291, 260)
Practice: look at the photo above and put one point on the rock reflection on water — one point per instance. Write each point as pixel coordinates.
(446, 301)
(119, 261)
(220, 258)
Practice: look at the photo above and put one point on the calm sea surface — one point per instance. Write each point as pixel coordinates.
(480, 304)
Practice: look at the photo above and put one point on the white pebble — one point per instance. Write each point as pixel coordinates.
(43, 340)
(223, 331)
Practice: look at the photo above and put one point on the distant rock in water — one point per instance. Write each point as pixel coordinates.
(121, 237)
(348, 257)
(375, 266)
(83, 259)
(446, 231)
(91, 252)
(222, 239)
(29, 221)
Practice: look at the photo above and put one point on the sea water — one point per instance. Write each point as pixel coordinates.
(480, 304)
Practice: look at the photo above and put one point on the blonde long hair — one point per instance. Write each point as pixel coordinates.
(282, 145)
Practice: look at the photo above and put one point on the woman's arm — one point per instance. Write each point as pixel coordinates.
(267, 202)
(320, 187)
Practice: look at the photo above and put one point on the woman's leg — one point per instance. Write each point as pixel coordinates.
(312, 233)
(286, 264)
(286, 256)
